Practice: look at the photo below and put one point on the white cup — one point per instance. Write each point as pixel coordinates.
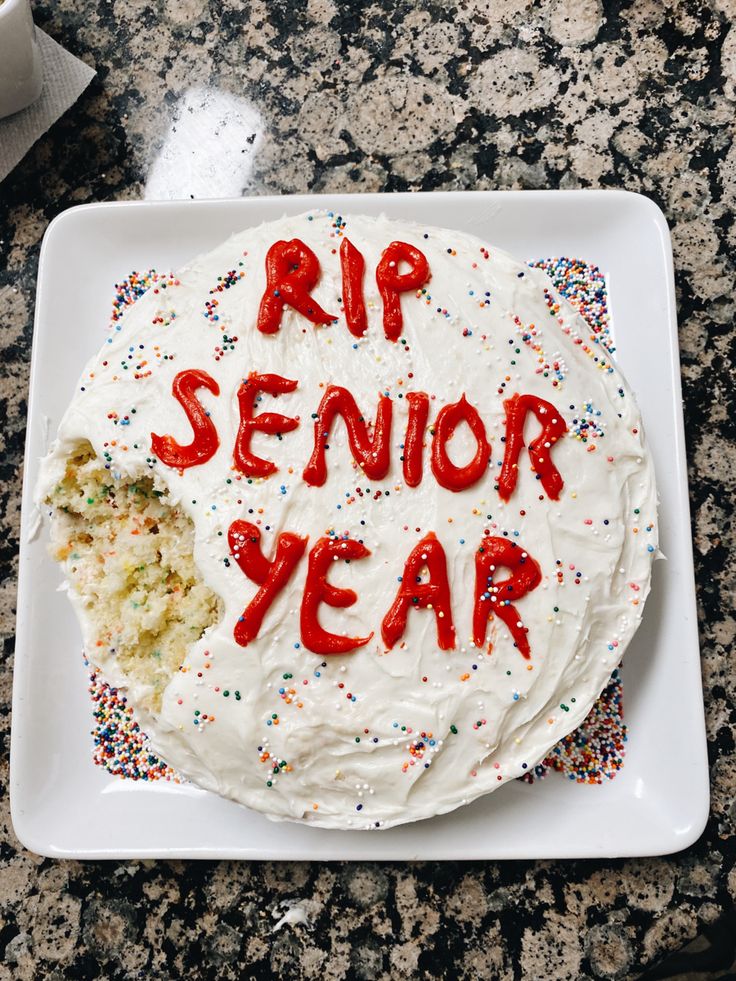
(21, 71)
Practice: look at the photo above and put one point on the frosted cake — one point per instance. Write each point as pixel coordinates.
(360, 515)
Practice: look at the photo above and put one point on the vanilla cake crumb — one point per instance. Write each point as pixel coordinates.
(128, 556)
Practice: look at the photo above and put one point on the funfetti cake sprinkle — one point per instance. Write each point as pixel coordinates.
(373, 555)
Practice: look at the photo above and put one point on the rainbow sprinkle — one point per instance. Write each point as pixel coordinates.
(120, 747)
(133, 288)
(231, 277)
(587, 423)
(594, 752)
(584, 286)
(553, 366)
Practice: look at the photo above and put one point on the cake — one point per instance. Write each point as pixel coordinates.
(358, 513)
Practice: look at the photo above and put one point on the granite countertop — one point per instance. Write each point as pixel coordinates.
(400, 96)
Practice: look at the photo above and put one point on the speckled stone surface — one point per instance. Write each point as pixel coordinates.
(392, 96)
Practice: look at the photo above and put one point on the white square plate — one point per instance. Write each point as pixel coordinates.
(62, 805)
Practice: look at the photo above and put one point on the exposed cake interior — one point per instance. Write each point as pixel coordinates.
(128, 555)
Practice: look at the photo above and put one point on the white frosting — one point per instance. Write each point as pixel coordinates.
(348, 732)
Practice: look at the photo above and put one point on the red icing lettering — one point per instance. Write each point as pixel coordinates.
(244, 541)
(391, 283)
(428, 554)
(292, 270)
(372, 455)
(353, 266)
(317, 590)
(448, 475)
(414, 439)
(553, 426)
(497, 597)
(267, 422)
(204, 445)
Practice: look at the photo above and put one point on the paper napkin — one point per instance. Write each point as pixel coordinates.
(64, 79)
